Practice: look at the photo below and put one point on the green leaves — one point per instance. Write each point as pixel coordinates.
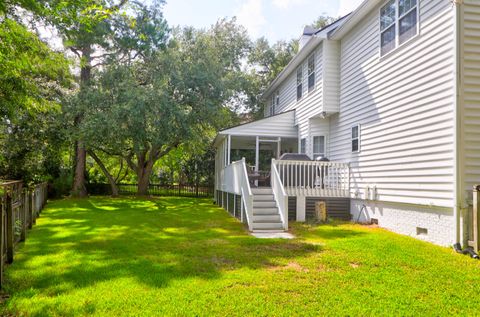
(32, 76)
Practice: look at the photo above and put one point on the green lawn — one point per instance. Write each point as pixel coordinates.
(179, 256)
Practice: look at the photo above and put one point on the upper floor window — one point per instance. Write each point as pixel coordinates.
(299, 83)
(311, 72)
(318, 146)
(274, 102)
(356, 138)
(272, 105)
(303, 145)
(398, 23)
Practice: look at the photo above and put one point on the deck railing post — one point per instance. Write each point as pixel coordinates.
(10, 227)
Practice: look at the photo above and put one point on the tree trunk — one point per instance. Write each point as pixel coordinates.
(143, 183)
(79, 189)
(143, 175)
(105, 172)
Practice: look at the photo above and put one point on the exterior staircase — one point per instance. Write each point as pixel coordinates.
(266, 215)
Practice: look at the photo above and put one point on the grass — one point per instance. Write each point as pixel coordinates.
(180, 256)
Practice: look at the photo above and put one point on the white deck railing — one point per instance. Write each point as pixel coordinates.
(280, 195)
(312, 178)
(235, 180)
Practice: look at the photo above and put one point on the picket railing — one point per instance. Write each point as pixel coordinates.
(19, 209)
(313, 178)
(280, 195)
(236, 181)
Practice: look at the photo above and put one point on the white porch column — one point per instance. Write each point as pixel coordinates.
(257, 153)
(301, 213)
(279, 145)
(257, 156)
(229, 148)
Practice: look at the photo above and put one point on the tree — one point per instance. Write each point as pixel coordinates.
(322, 21)
(33, 80)
(266, 62)
(144, 110)
(98, 32)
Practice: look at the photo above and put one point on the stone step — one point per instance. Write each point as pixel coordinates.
(265, 211)
(262, 191)
(267, 226)
(264, 204)
(267, 218)
(263, 198)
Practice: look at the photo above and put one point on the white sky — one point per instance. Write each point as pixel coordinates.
(274, 19)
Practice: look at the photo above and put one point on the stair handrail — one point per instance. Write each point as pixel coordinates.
(279, 194)
(246, 193)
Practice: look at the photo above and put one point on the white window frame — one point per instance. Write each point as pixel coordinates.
(299, 84)
(274, 102)
(357, 138)
(317, 154)
(302, 147)
(311, 57)
(397, 26)
(272, 105)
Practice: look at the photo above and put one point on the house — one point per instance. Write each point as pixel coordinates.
(390, 95)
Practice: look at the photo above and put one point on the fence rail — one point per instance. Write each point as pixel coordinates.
(154, 190)
(19, 209)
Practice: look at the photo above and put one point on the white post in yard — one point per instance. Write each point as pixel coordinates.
(301, 214)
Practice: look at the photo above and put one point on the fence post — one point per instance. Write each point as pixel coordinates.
(10, 227)
(476, 218)
(32, 208)
(24, 211)
(2, 238)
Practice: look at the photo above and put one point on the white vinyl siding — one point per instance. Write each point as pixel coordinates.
(280, 125)
(404, 104)
(471, 96)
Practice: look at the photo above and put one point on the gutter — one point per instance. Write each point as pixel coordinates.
(458, 137)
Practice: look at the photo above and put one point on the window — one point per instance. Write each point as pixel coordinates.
(299, 83)
(272, 105)
(398, 23)
(274, 102)
(356, 138)
(303, 145)
(311, 72)
(318, 146)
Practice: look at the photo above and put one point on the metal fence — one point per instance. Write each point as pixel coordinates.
(154, 190)
(19, 209)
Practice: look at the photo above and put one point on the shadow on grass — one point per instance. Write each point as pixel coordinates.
(78, 243)
(331, 230)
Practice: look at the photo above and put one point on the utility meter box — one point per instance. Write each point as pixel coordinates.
(321, 211)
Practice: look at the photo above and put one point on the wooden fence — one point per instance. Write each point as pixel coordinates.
(154, 190)
(19, 209)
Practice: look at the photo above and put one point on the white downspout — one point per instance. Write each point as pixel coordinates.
(457, 124)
